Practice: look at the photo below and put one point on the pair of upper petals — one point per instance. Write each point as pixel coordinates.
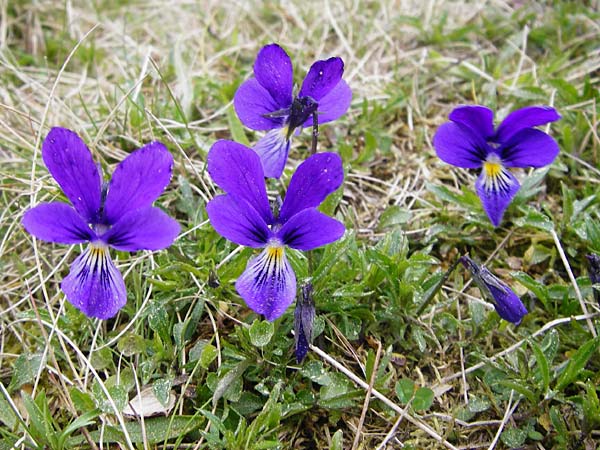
(243, 215)
(470, 137)
(132, 223)
(271, 89)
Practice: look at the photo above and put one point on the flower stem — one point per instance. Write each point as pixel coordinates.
(315, 134)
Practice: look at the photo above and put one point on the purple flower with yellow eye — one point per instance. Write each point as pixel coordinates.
(243, 215)
(117, 214)
(470, 141)
(267, 102)
(508, 304)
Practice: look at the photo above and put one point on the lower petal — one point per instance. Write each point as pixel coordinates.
(496, 191)
(273, 149)
(268, 285)
(94, 285)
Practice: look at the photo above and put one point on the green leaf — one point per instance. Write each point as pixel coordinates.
(156, 430)
(236, 128)
(117, 393)
(158, 319)
(577, 363)
(229, 379)
(536, 219)
(337, 441)
(208, 355)
(521, 389)
(162, 390)
(423, 399)
(405, 390)
(25, 369)
(394, 215)
(261, 332)
(7, 415)
(513, 437)
(543, 367)
(550, 345)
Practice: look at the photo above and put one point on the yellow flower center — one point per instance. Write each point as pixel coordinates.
(275, 251)
(492, 168)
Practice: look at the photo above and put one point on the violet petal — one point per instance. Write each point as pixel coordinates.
(57, 222)
(531, 116)
(496, 193)
(70, 162)
(273, 149)
(333, 105)
(142, 229)
(313, 181)
(138, 180)
(238, 171)
(310, 229)
(457, 145)
(321, 78)
(273, 70)
(268, 285)
(252, 102)
(529, 148)
(94, 285)
(236, 220)
(477, 118)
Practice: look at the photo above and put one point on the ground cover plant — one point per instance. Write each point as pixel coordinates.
(407, 351)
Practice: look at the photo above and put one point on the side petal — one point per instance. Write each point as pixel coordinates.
(138, 180)
(313, 181)
(94, 285)
(478, 118)
(334, 105)
(496, 191)
(273, 149)
(268, 285)
(310, 229)
(238, 221)
(252, 103)
(70, 162)
(531, 116)
(458, 145)
(238, 171)
(57, 222)
(142, 229)
(273, 70)
(321, 78)
(529, 148)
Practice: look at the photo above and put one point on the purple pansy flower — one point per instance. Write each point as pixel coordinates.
(470, 141)
(117, 214)
(266, 102)
(243, 215)
(508, 304)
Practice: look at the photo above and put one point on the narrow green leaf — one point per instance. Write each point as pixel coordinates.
(236, 128)
(577, 363)
(542, 364)
(337, 441)
(230, 377)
